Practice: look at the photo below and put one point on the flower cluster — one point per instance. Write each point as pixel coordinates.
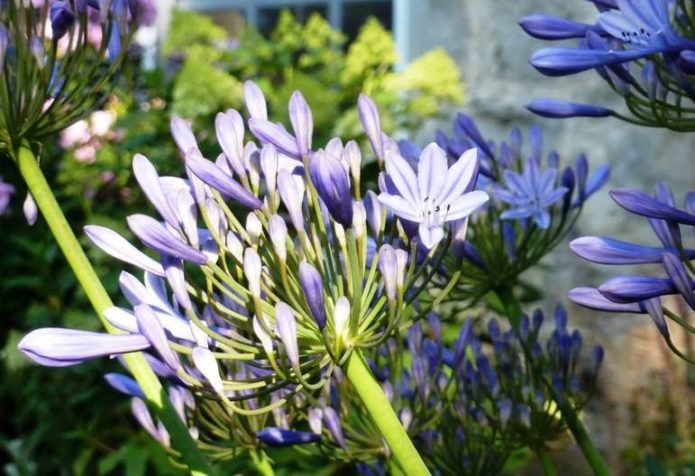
(644, 49)
(85, 136)
(489, 395)
(290, 271)
(643, 294)
(52, 59)
(535, 205)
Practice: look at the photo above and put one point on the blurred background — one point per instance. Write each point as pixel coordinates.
(422, 61)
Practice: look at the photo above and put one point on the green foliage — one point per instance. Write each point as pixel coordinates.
(201, 88)
(188, 30)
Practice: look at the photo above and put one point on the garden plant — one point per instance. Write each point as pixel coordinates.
(291, 278)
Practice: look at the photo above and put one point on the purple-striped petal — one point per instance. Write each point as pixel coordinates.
(593, 299)
(229, 128)
(255, 101)
(183, 136)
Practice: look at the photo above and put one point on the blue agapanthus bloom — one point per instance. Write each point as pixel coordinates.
(530, 193)
(654, 36)
(535, 202)
(643, 294)
(491, 392)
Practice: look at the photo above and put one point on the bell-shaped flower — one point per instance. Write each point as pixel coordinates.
(437, 194)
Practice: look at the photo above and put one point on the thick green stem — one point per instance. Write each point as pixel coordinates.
(43, 195)
(382, 413)
(546, 461)
(581, 436)
(513, 311)
(261, 463)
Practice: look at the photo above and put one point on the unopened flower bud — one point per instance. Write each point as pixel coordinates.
(252, 271)
(277, 229)
(254, 228)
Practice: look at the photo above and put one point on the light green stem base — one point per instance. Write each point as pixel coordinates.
(261, 463)
(88, 279)
(383, 415)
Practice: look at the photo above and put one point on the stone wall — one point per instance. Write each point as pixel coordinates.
(492, 51)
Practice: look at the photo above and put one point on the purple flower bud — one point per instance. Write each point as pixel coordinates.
(558, 109)
(31, 212)
(215, 177)
(636, 288)
(150, 326)
(644, 204)
(369, 117)
(205, 361)
(183, 136)
(312, 285)
(593, 299)
(333, 186)
(332, 422)
(374, 212)
(269, 133)
(62, 18)
(388, 266)
(679, 277)
(315, 420)
(252, 271)
(302, 122)
(124, 384)
(279, 437)
(56, 347)
(287, 331)
(656, 312)
(291, 190)
(564, 61)
(229, 128)
(550, 28)
(462, 342)
(148, 179)
(143, 417)
(269, 166)
(255, 101)
(156, 236)
(609, 251)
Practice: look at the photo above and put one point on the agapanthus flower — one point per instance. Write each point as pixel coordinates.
(643, 294)
(530, 193)
(490, 395)
(535, 201)
(436, 195)
(267, 279)
(654, 36)
(53, 32)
